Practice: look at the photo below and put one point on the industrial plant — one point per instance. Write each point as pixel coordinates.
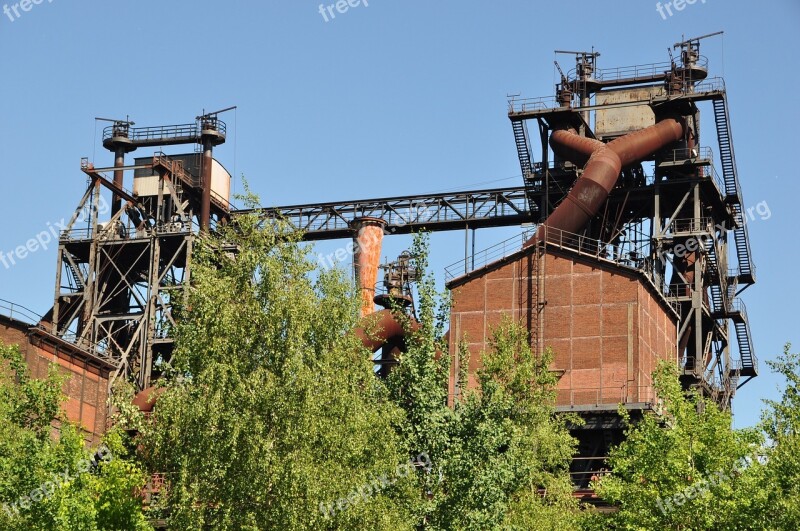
(633, 248)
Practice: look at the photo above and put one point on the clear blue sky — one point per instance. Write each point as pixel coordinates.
(398, 97)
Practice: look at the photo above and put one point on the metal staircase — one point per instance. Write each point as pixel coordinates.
(733, 190)
(749, 362)
(76, 275)
(716, 276)
(523, 148)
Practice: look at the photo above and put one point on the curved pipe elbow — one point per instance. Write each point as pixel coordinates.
(604, 162)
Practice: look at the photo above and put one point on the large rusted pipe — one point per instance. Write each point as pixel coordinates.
(568, 145)
(367, 242)
(602, 170)
(376, 329)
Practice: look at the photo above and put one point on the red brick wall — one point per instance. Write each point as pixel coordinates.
(86, 387)
(605, 327)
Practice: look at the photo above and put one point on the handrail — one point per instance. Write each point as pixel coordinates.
(711, 84)
(584, 245)
(9, 308)
(139, 134)
(628, 72)
(710, 172)
(738, 306)
(704, 154)
(692, 225)
(488, 255)
(532, 104)
(517, 104)
(596, 396)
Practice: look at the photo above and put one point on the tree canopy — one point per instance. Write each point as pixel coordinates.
(57, 483)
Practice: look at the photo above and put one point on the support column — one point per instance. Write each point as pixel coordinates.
(205, 206)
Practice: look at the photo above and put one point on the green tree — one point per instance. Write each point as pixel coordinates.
(270, 416)
(54, 483)
(776, 501)
(499, 452)
(682, 468)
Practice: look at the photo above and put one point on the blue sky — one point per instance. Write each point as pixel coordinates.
(387, 99)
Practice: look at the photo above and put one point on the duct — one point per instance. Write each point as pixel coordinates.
(568, 145)
(368, 238)
(145, 400)
(385, 329)
(377, 329)
(604, 164)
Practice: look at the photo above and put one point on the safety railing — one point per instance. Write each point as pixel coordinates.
(145, 134)
(695, 154)
(213, 124)
(605, 396)
(516, 104)
(20, 313)
(691, 225)
(584, 245)
(486, 256)
(629, 72)
(710, 172)
(712, 84)
(738, 307)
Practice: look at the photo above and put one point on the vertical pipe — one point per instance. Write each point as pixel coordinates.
(205, 206)
(119, 162)
(367, 244)
(472, 266)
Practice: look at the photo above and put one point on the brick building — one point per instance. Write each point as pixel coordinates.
(86, 387)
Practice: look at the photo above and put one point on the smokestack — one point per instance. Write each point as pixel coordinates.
(367, 240)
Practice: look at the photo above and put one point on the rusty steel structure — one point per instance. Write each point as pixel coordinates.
(625, 206)
(118, 279)
(637, 194)
(677, 222)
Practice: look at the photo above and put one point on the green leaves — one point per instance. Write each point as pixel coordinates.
(271, 408)
(682, 468)
(55, 483)
(494, 449)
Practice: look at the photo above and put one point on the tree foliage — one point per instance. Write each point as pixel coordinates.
(777, 500)
(271, 417)
(56, 483)
(499, 453)
(683, 467)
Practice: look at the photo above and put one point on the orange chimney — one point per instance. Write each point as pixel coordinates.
(367, 240)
